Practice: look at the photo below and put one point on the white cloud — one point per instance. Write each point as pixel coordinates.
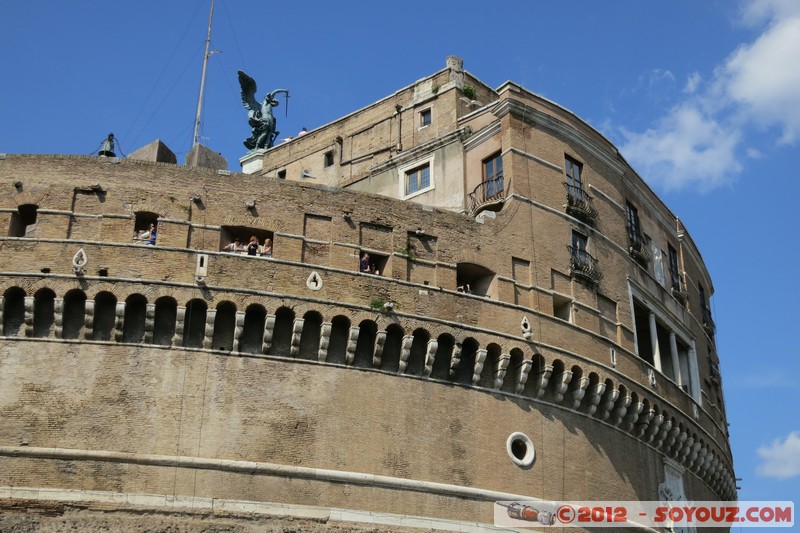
(697, 143)
(781, 458)
(692, 82)
(756, 12)
(764, 78)
(687, 147)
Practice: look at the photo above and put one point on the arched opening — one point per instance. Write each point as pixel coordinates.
(74, 314)
(252, 339)
(490, 366)
(444, 353)
(224, 327)
(309, 336)
(337, 347)
(164, 321)
(365, 347)
(466, 367)
(105, 316)
(390, 360)
(282, 332)
(513, 371)
(475, 279)
(135, 316)
(194, 324)
(23, 221)
(419, 346)
(13, 311)
(43, 312)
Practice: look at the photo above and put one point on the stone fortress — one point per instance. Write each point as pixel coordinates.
(540, 328)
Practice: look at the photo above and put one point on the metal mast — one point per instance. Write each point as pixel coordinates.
(203, 78)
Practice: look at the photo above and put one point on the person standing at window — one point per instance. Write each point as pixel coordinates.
(252, 246)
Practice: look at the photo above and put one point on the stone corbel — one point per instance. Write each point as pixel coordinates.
(480, 358)
(502, 365)
(405, 352)
(269, 329)
(380, 340)
(595, 393)
(352, 342)
(561, 384)
(430, 354)
(578, 392)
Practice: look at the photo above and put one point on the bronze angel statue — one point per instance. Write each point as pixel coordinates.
(259, 116)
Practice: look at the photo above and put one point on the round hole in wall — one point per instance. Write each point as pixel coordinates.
(520, 449)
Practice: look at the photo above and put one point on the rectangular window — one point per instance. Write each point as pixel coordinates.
(425, 118)
(573, 169)
(329, 158)
(673, 267)
(578, 243)
(493, 175)
(633, 221)
(418, 179)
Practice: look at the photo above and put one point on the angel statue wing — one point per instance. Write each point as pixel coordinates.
(248, 85)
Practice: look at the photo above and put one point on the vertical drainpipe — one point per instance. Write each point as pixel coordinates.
(399, 114)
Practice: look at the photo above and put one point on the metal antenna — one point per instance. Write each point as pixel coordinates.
(206, 55)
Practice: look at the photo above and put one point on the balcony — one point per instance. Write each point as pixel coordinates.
(579, 204)
(708, 323)
(489, 194)
(583, 266)
(679, 288)
(638, 247)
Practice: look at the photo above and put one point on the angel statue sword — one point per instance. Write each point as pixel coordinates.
(259, 115)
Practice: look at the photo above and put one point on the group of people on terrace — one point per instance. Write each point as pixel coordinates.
(251, 248)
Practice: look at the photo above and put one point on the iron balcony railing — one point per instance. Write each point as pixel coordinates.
(708, 323)
(579, 204)
(638, 247)
(584, 266)
(487, 192)
(678, 287)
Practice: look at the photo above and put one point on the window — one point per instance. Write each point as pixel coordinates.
(329, 158)
(493, 175)
(573, 169)
(282, 174)
(578, 243)
(673, 267)
(633, 220)
(418, 179)
(23, 221)
(425, 118)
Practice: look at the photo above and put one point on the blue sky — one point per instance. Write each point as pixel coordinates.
(701, 97)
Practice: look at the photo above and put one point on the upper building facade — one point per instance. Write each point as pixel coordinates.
(535, 322)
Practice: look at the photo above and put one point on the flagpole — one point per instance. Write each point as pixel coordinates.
(202, 79)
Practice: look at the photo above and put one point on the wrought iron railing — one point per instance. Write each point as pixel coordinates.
(708, 323)
(487, 192)
(584, 266)
(678, 287)
(638, 247)
(579, 204)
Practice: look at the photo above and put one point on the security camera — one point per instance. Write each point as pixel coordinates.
(388, 305)
(250, 204)
(201, 280)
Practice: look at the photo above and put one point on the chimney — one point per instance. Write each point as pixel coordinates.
(456, 66)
